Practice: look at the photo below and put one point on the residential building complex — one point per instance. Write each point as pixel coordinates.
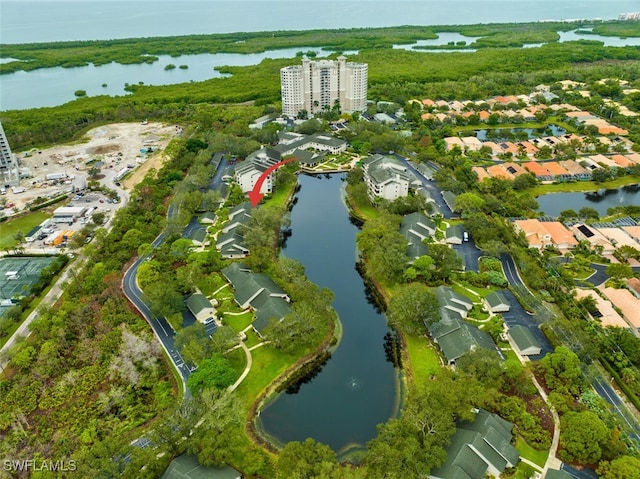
(248, 172)
(386, 177)
(479, 449)
(315, 86)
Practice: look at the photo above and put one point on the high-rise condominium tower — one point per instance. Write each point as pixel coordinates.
(9, 172)
(316, 86)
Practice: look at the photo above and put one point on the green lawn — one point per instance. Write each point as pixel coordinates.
(238, 360)
(210, 283)
(281, 194)
(582, 273)
(226, 302)
(461, 290)
(267, 365)
(363, 209)
(584, 185)
(423, 357)
(238, 323)
(510, 354)
(22, 224)
(526, 451)
(252, 339)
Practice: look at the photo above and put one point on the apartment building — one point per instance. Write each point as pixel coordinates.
(315, 86)
(9, 172)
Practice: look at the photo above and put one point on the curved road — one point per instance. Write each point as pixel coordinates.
(161, 328)
(159, 324)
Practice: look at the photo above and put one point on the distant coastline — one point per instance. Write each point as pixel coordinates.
(28, 21)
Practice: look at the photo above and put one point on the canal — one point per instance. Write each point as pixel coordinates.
(358, 387)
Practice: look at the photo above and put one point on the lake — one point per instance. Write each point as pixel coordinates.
(358, 387)
(553, 203)
(519, 134)
(55, 86)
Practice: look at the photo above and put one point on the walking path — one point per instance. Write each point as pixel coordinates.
(50, 298)
(225, 285)
(229, 313)
(247, 368)
(552, 461)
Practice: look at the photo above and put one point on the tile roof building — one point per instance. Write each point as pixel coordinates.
(593, 236)
(543, 234)
(607, 315)
(625, 301)
(618, 237)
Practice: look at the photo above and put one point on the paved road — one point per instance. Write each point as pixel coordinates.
(606, 391)
(596, 278)
(159, 324)
(510, 270)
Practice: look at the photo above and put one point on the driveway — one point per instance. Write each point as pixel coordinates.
(518, 316)
(584, 473)
(188, 319)
(430, 186)
(596, 278)
(471, 254)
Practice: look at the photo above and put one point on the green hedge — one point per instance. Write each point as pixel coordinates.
(53, 201)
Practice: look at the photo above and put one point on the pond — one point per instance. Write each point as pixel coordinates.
(358, 387)
(519, 134)
(553, 203)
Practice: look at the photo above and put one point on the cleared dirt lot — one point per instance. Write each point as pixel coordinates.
(113, 148)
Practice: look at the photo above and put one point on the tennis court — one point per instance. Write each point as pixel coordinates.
(17, 275)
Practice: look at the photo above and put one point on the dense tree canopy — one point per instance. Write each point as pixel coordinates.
(412, 307)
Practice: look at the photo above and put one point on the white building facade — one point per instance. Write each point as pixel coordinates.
(9, 171)
(386, 178)
(315, 86)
